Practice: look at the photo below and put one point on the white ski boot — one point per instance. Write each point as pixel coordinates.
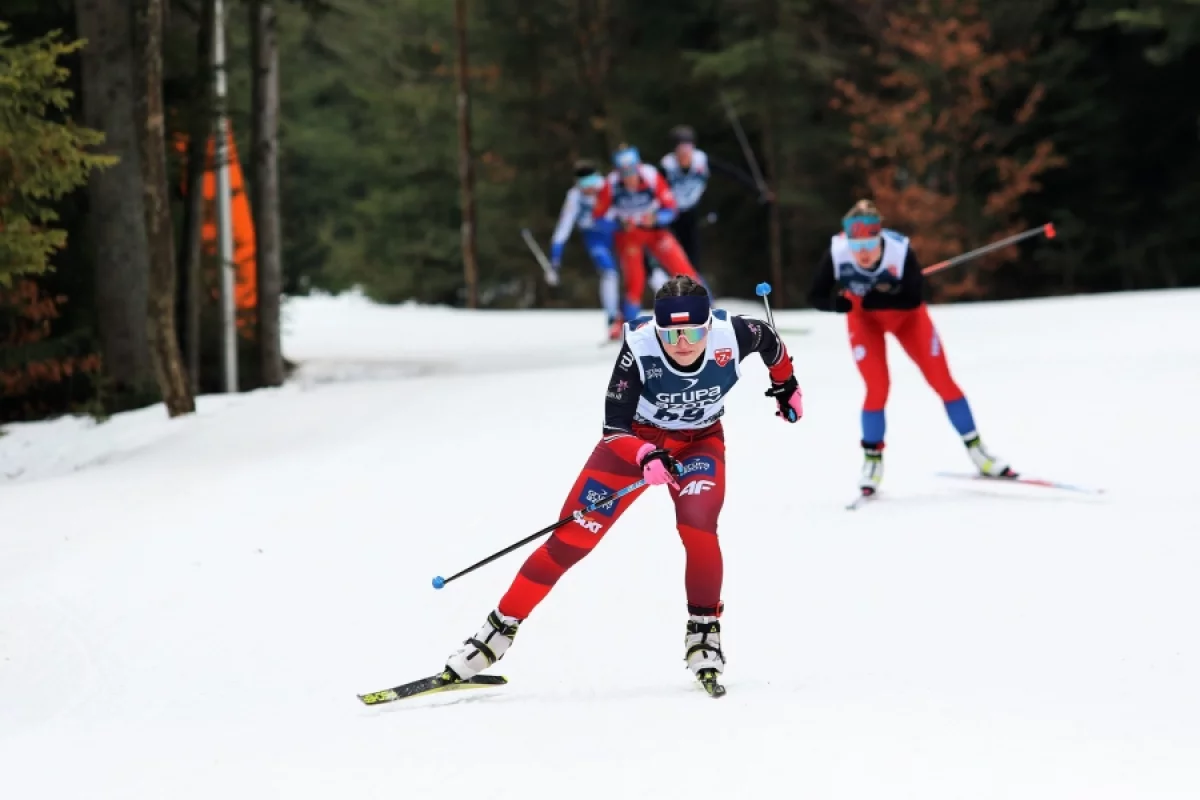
(872, 469)
(703, 643)
(485, 648)
(987, 463)
(704, 656)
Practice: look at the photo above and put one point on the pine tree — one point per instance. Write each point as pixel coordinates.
(43, 155)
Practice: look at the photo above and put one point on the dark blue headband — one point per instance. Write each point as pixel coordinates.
(692, 309)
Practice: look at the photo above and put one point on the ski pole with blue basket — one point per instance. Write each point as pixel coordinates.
(762, 290)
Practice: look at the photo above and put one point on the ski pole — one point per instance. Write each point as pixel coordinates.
(1047, 229)
(741, 136)
(551, 276)
(762, 290)
(439, 581)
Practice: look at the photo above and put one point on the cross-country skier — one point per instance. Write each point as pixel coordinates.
(879, 287)
(662, 423)
(687, 169)
(639, 200)
(597, 238)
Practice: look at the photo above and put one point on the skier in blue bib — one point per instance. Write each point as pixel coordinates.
(576, 213)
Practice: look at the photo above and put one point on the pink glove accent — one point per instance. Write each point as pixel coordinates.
(655, 472)
(796, 405)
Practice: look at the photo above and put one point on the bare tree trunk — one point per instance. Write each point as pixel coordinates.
(265, 187)
(466, 171)
(160, 308)
(116, 224)
(200, 131)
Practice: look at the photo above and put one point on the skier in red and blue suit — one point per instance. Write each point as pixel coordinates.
(637, 197)
(871, 275)
(662, 424)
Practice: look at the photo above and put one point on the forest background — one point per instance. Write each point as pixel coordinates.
(966, 121)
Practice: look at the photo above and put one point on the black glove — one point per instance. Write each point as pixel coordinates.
(842, 305)
(782, 392)
(659, 454)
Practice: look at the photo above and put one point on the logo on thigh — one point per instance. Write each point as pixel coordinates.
(696, 487)
(590, 525)
(593, 490)
(698, 465)
(860, 352)
(935, 345)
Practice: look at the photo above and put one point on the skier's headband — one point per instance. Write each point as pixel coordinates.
(687, 311)
(592, 181)
(862, 226)
(627, 160)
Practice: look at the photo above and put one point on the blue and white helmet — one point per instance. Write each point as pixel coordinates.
(627, 160)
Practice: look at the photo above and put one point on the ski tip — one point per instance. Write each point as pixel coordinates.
(863, 496)
(375, 698)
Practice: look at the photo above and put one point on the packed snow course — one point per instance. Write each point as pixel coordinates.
(188, 608)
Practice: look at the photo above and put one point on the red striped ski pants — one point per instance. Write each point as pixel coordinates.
(698, 502)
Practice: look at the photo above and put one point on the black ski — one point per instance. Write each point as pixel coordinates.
(444, 682)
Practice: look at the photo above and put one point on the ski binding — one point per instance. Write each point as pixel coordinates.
(709, 680)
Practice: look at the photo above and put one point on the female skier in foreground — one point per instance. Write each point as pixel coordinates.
(879, 287)
(662, 423)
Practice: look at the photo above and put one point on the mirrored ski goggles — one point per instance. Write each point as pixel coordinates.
(591, 182)
(858, 245)
(692, 333)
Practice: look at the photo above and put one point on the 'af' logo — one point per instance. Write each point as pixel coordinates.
(696, 487)
(723, 356)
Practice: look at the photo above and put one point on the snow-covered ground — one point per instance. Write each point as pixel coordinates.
(188, 608)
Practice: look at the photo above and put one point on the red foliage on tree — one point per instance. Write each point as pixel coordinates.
(34, 363)
(943, 162)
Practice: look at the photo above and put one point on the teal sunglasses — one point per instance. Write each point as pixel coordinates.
(858, 245)
(694, 334)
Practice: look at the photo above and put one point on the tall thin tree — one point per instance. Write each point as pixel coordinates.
(115, 220)
(164, 344)
(265, 186)
(466, 170)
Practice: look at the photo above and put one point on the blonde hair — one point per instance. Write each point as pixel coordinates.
(863, 208)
